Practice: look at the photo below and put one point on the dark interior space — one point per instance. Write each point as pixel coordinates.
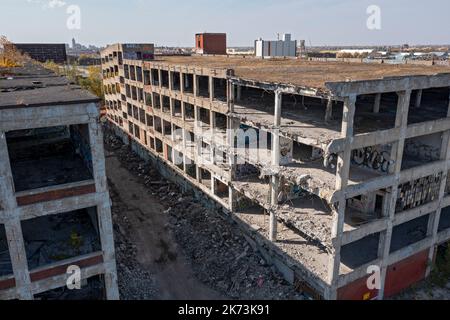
(366, 120)
(158, 124)
(444, 222)
(308, 109)
(156, 101)
(204, 116)
(409, 232)
(148, 99)
(54, 238)
(246, 205)
(176, 108)
(302, 152)
(133, 73)
(176, 81)
(205, 177)
(139, 74)
(49, 156)
(147, 77)
(255, 98)
(189, 112)
(191, 168)
(167, 129)
(188, 83)
(5, 258)
(359, 253)
(165, 79)
(169, 153)
(221, 189)
(159, 146)
(363, 209)
(155, 76)
(419, 151)
(220, 89)
(433, 105)
(221, 121)
(203, 86)
(166, 104)
(126, 69)
(246, 171)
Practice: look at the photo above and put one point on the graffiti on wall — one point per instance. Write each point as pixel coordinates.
(373, 158)
(419, 192)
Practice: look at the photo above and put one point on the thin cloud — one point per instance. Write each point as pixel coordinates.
(49, 4)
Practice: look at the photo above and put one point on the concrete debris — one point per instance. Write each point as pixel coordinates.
(220, 256)
(135, 283)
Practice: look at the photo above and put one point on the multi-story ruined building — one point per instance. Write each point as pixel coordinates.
(55, 215)
(337, 171)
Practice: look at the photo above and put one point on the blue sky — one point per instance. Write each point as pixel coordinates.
(174, 22)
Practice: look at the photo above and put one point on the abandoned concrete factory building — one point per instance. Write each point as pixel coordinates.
(353, 174)
(54, 203)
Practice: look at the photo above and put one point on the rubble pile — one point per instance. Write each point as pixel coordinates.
(219, 253)
(134, 282)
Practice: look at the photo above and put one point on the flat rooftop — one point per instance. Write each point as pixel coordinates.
(301, 73)
(34, 86)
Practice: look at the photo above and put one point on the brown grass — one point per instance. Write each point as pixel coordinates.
(10, 56)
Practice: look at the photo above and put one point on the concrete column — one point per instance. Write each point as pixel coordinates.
(98, 156)
(13, 227)
(182, 83)
(231, 96)
(171, 103)
(397, 156)
(184, 160)
(170, 79)
(152, 80)
(418, 100)
(17, 252)
(104, 211)
(196, 117)
(238, 93)
(213, 185)
(186, 80)
(183, 111)
(109, 259)
(278, 102)
(342, 176)
(329, 110)
(211, 88)
(376, 106)
(196, 85)
(275, 185)
(160, 77)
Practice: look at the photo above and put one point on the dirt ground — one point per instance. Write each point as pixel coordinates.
(141, 219)
(425, 291)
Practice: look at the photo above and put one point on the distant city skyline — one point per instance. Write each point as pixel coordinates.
(174, 23)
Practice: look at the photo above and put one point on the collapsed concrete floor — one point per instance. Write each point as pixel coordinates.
(192, 252)
(169, 246)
